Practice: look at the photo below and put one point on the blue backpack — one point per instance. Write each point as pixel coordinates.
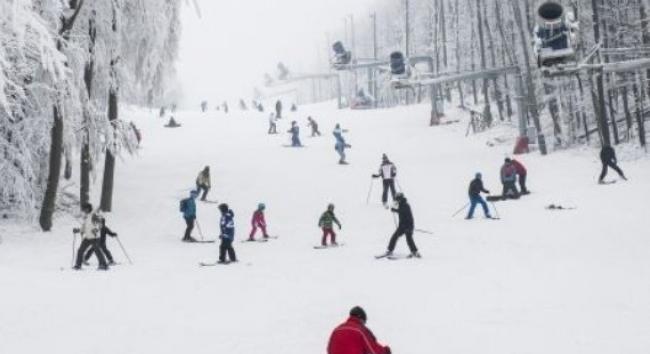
(183, 205)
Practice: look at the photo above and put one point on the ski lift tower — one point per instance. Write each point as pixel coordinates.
(286, 77)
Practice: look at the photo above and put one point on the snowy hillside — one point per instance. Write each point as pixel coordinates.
(536, 281)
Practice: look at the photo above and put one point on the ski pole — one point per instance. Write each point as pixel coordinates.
(74, 245)
(399, 186)
(423, 231)
(198, 226)
(496, 212)
(123, 250)
(372, 181)
(459, 210)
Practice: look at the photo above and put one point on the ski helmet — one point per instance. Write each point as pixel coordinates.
(359, 313)
(479, 175)
(261, 206)
(223, 207)
(330, 206)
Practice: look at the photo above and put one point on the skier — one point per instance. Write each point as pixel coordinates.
(326, 223)
(521, 175)
(405, 227)
(204, 106)
(353, 337)
(103, 231)
(227, 235)
(188, 208)
(340, 145)
(295, 134)
(294, 108)
(278, 109)
(258, 221)
(90, 238)
(242, 105)
(225, 107)
(272, 124)
(475, 189)
(172, 123)
(608, 158)
(387, 172)
(508, 179)
(203, 182)
(314, 127)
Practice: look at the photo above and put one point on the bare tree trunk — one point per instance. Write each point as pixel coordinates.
(493, 61)
(84, 193)
(486, 88)
(599, 98)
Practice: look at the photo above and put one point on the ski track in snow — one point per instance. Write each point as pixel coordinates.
(533, 282)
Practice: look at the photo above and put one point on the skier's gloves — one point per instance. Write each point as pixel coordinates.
(488, 192)
(388, 350)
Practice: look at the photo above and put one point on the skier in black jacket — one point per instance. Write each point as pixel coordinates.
(103, 231)
(475, 189)
(405, 226)
(608, 158)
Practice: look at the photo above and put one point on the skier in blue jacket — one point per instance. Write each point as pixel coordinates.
(227, 236)
(340, 145)
(295, 134)
(188, 208)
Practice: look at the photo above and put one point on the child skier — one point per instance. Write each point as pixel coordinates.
(340, 145)
(405, 227)
(258, 221)
(103, 231)
(295, 134)
(326, 223)
(227, 236)
(475, 189)
(90, 238)
(314, 127)
(203, 182)
(188, 208)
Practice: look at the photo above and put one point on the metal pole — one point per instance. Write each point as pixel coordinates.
(407, 39)
(124, 250)
(374, 55)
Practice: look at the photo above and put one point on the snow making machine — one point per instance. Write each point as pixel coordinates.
(342, 57)
(400, 71)
(555, 39)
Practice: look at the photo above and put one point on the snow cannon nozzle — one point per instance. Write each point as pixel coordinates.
(359, 313)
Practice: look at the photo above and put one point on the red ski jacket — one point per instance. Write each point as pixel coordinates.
(521, 170)
(353, 337)
(258, 219)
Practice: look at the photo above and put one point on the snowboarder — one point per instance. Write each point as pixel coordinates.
(353, 337)
(258, 221)
(508, 179)
(475, 189)
(188, 208)
(278, 109)
(521, 175)
(608, 159)
(295, 134)
(405, 226)
(172, 123)
(326, 223)
(387, 172)
(90, 237)
(340, 145)
(203, 183)
(227, 236)
(103, 231)
(314, 127)
(272, 124)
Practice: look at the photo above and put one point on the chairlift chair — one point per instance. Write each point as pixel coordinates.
(342, 57)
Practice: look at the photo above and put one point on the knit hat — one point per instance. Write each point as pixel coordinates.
(359, 313)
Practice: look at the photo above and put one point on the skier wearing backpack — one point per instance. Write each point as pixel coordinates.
(475, 198)
(258, 221)
(340, 145)
(90, 238)
(405, 226)
(227, 225)
(608, 159)
(387, 172)
(188, 208)
(326, 223)
(295, 134)
(353, 337)
(508, 179)
(203, 182)
(314, 127)
(103, 232)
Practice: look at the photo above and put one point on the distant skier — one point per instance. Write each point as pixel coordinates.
(294, 108)
(353, 337)
(172, 123)
(278, 109)
(608, 159)
(405, 226)
(89, 230)
(227, 236)
(203, 182)
(188, 208)
(103, 232)
(314, 127)
(475, 189)
(522, 174)
(387, 172)
(258, 221)
(225, 107)
(204, 106)
(326, 223)
(260, 107)
(295, 134)
(340, 145)
(273, 129)
(162, 111)
(242, 105)
(508, 179)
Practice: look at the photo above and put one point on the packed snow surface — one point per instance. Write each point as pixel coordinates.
(536, 281)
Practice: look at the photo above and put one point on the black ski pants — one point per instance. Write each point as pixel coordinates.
(606, 166)
(402, 231)
(226, 248)
(522, 184)
(389, 184)
(510, 190)
(205, 189)
(93, 247)
(102, 248)
(189, 228)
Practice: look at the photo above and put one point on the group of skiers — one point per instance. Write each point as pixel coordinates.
(93, 233)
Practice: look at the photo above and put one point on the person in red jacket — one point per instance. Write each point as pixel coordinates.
(521, 173)
(353, 337)
(258, 222)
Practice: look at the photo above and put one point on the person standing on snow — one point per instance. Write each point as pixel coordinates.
(475, 189)
(103, 232)
(295, 134)
(508, 179)
(314, 127)
(405, 227)
(608, 159)
(340, 145)
(272, 125)
(278, 109)
(188, 208)
(227, 236)
(521, 175)
(90, 238)
(387, 172)
(258, 221)
(353, 337)
(203, 182)
(326, 223)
